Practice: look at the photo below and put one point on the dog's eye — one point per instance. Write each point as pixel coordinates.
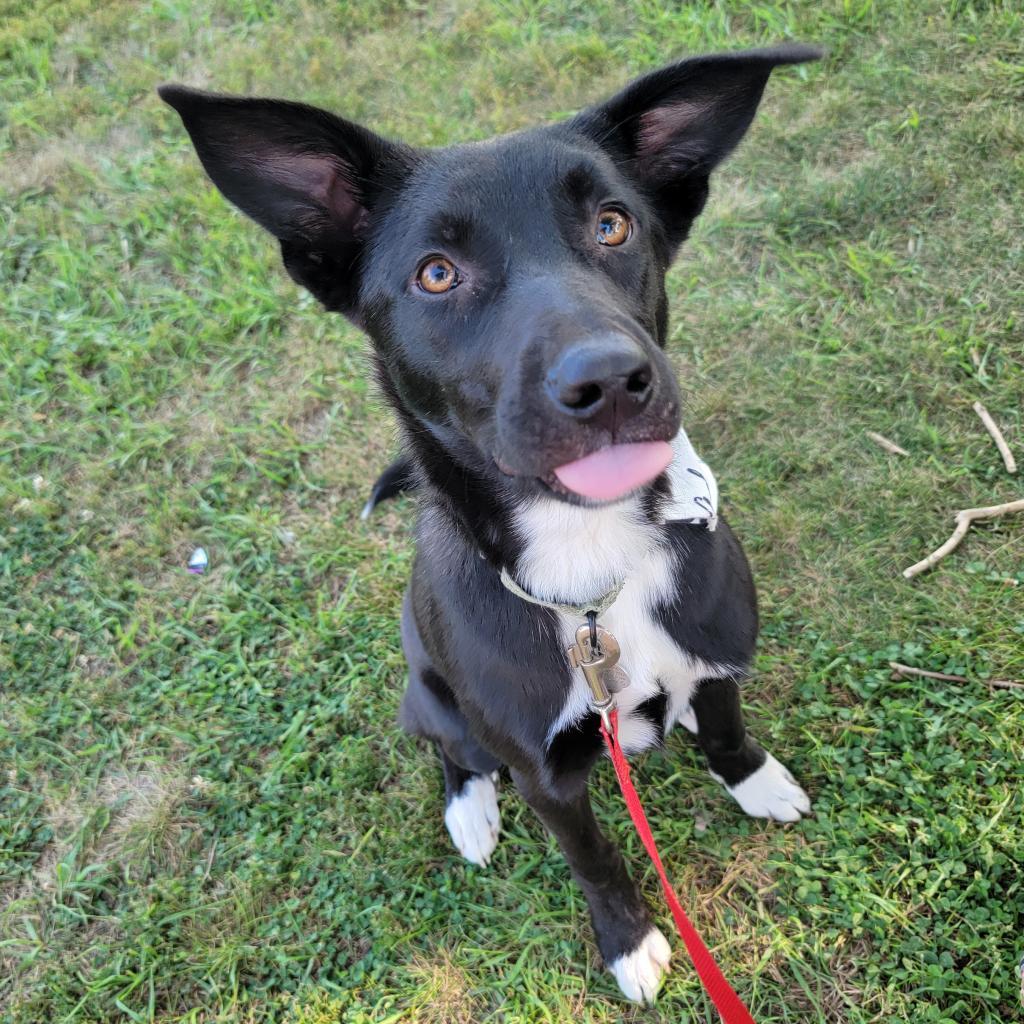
(613, 226)
(437, 275)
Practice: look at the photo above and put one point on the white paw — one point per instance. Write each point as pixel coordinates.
(473, 821)
(771, 792)
(639, 973)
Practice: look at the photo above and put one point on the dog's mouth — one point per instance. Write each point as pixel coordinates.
(608, 473)
(612, 472)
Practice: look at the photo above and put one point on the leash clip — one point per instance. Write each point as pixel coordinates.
(596, 664)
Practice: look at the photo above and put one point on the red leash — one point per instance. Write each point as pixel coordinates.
(728, 1004)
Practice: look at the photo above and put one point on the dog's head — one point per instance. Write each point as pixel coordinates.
(514, 288)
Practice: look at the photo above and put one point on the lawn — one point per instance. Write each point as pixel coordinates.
(207, 813)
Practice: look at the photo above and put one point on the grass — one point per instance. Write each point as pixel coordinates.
(207, 813)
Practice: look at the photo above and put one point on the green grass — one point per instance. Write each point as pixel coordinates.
(207, 812)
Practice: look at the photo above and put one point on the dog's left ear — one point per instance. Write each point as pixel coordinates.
(671, 128)
(312, 179)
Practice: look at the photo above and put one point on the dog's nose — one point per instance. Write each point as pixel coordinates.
(604, 380)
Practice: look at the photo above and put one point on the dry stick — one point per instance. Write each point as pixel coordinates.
(883, 442)
(909, 670)
(964, 518)
(997, 435)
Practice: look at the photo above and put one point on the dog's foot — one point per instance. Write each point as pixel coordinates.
(473, 820)
(771, 792)
(640, 972)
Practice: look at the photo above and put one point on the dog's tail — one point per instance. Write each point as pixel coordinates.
(398, 478)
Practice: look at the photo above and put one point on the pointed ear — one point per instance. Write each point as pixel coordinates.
(310, 178)
(671, 128)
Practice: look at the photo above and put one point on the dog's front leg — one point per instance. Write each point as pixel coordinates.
(633, 948)
(761, 785)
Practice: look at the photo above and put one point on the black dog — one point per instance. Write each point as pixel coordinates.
(514, 292)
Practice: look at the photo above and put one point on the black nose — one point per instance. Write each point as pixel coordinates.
(604, 380)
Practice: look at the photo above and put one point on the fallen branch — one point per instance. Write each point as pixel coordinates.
(964, 518)
(997, 435)
(909, 670)
(883, 442)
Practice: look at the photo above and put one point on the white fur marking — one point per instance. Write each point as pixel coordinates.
(771, 792)
(639, 973)
(574, 555)
(650, 657)
(473, 820)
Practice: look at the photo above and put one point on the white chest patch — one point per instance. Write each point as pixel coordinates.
(574, 555)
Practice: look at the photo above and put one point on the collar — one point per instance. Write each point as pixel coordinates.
(579, 611)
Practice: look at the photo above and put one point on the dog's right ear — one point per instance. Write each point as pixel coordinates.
(310, 178)
(671, 128)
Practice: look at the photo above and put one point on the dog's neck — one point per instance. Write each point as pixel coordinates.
(555, 550)
(575, 555)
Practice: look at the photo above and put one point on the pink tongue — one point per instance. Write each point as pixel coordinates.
(614, 471)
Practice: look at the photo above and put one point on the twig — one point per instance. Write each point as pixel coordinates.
(909, 670)
(964, 518)
(883, 442)
(997, 435)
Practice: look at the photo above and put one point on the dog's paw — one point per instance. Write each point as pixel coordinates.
(473, 820)
(771, 792)
(640, 972)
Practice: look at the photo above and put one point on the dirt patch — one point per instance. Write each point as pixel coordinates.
(445, 996)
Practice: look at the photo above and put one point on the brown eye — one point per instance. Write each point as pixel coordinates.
(437, 275)
(613, 227)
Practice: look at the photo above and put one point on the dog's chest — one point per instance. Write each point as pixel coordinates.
(575, 555)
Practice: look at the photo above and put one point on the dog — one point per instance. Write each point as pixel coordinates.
(514, 294)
